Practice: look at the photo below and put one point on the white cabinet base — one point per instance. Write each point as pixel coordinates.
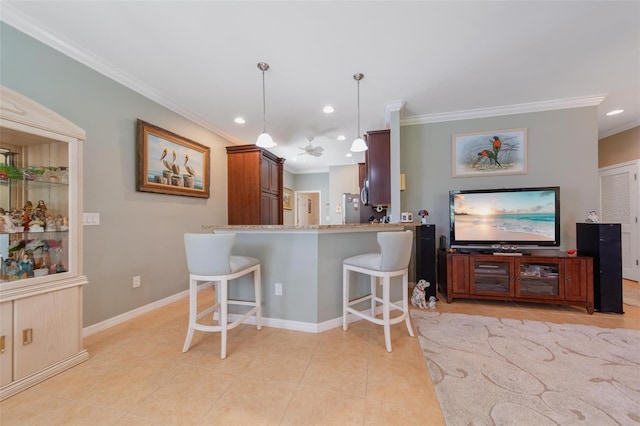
(42, 375)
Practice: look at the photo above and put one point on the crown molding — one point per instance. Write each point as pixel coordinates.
(23, 24)
(578, 102)
(390, 107)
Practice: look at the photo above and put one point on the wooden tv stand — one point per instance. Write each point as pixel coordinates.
(558, 280)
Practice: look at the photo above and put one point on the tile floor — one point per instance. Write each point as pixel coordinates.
(138, 375)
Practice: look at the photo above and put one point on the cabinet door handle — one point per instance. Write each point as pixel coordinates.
(2, 344)
(27, 336)
(568, 278)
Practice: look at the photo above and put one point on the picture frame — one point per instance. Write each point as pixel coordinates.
(170, 164)
(490, 153)
(287, 199)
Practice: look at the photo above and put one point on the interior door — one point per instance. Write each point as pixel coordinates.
(619, 203)
(302, 201)
(307, 208)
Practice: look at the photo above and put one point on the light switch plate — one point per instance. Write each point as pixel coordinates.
(91, 218)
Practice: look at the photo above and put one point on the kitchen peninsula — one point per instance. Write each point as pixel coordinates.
(307, 261)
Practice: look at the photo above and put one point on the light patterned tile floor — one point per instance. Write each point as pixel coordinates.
(138, 375)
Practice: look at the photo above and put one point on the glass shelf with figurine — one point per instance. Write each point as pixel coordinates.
(28, 256)
(34, 210)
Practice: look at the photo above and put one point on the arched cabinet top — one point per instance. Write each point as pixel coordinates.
(17, 111)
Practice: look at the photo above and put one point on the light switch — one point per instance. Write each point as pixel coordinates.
(91, 218)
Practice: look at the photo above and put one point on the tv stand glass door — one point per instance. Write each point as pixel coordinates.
(491, 275)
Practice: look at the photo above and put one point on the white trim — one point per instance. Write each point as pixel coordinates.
(619, 129)
(390, 107)
(578, 102)
(119, 319)
(307, 327)
(44, 35)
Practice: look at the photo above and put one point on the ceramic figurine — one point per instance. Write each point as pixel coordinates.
(9, 226)
(25, 267)
(593, 217)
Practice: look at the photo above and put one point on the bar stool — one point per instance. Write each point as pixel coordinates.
(391, 262)
(210, 262)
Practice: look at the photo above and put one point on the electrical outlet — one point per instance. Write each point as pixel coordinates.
(136, 281)
(278, 289)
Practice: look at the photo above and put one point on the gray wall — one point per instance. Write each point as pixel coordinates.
(139, 233)
(562, 151)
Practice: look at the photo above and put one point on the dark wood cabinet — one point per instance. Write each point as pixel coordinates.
(254, 186)
(378, 167)
(558, 280)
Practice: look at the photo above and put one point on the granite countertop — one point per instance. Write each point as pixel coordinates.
(313, 227)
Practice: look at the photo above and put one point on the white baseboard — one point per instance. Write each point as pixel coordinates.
(267, 322)
(119, 319)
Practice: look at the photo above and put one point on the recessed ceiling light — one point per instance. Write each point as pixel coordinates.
(341, 137)
(239, 120)
(349, 154)
(615, 112)
(328, 109)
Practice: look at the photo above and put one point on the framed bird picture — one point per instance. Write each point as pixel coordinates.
(170, 164)
(496, 152)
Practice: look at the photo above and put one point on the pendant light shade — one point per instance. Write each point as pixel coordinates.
(358, 145)
(264, 140)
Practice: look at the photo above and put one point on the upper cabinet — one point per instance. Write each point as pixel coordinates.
(378, 167)
(254, 186)
(40, 243)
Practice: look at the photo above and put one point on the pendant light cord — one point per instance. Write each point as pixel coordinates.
(358, 135)
(264, 106)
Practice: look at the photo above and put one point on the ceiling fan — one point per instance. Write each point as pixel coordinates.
(315, 151)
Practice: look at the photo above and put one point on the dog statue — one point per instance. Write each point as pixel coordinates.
(418, 298)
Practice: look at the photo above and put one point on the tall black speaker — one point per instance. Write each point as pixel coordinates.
(603, 242)
(426, 257)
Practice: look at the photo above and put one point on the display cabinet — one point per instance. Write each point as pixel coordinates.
(542, 279)
(41, 277)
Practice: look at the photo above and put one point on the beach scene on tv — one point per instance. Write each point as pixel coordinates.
(505, 216)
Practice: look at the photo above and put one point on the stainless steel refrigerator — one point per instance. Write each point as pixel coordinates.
(351, 206)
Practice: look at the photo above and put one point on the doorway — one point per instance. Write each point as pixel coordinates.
(307, 208)
(620, 203)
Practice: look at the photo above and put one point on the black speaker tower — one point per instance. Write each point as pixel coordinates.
(603, 242)
(426, 257)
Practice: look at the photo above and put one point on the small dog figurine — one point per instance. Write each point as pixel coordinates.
(418, 298)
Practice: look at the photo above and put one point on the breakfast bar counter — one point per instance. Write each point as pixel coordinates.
(307, 262)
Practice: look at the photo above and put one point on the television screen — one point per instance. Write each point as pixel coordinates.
(517, 216)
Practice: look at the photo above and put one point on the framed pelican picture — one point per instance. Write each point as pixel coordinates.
(171, 164)
(496, 152)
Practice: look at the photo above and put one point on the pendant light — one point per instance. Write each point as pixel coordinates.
(359, 144)
(264, 140)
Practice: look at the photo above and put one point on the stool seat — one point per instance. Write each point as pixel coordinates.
(392, 261)
(210, 263)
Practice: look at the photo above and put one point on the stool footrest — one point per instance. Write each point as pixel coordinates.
(378, 321)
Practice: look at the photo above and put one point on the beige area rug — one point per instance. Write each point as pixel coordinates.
(490, 371)
(631, 294)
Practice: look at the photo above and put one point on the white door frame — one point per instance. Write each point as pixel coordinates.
(629, 219)
(295, 212)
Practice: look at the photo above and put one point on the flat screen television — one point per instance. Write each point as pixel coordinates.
(505, 218)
